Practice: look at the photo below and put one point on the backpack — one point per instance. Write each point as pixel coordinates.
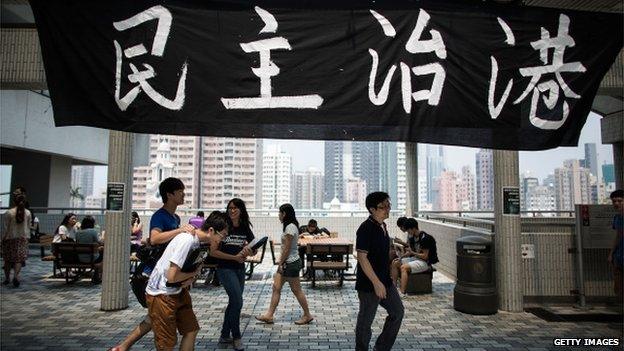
(138, 283)
(149, 256)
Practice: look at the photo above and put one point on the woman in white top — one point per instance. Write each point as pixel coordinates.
(67, 229)
(15, 234)
(288, 269)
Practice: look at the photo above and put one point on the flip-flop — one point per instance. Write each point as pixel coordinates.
(304, 322)
(264, 320)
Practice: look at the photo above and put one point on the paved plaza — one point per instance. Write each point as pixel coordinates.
(47, 314)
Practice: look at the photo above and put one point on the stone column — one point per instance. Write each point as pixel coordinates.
(612, 132)
(618, 153)
(509, 278)
(411, 178)
(115, 285)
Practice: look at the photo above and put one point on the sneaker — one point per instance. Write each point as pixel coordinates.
(16, 283)
(227, 340)
(238, 345)
(6, 282)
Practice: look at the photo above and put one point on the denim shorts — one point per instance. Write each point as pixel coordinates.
(291, 270)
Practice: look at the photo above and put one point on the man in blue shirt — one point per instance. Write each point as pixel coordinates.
(164, 226)
(373, 282)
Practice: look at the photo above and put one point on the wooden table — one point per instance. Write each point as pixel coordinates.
(325, 248)
(325, 241)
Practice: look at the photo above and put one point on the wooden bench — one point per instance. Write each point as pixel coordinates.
(314, 253)
(45, 244)
(274, 255)
(67, 256)
(420, 283)
(255, 260)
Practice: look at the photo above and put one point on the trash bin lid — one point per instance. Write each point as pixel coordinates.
(475, 239)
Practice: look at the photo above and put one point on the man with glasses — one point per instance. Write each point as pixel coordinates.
(373, 282)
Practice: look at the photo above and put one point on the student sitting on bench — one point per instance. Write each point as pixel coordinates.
(419, 256)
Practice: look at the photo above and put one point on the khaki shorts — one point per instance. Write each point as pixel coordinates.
(168, 313)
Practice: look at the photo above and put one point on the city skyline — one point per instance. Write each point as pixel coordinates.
(540, 164)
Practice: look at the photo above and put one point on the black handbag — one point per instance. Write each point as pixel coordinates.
(138, 283)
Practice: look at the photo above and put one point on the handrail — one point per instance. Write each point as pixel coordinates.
(192, 211)
(306, 212)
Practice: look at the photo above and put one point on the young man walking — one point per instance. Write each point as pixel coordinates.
(169, 302)
(164, 226)
(373, 282)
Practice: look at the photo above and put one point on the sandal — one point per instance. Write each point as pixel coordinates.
(265, 320)
(304, 321)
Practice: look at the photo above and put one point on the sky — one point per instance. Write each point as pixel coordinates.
(308, 153)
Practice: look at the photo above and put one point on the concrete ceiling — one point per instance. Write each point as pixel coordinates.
(581, 5)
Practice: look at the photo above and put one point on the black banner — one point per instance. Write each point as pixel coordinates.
(460, 73)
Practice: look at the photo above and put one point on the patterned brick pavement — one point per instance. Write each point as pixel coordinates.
(47, 314)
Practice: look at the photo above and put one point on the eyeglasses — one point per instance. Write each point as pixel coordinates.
(384, 207)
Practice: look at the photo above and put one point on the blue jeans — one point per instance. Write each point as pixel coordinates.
(233, 281)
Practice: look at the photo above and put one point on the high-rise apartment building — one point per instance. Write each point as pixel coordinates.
(366, 164)
(229, 169)
(82, 180)
(527, 184)
(540, 198)
(356, 191)
(466, 193)
(435, 166)
(213, 170)
(591, 159)
(307, 189)
(276, 177)
(484, 168)
(572, 185)
(446, 186)
(401, 198)
(388, 169)
(335, 152)
(423, 205)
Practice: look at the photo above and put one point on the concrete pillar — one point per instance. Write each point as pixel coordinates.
(411, 178)
(618, 153)
(612, 132)
(60, 181)
(507, 238)
(115, 285)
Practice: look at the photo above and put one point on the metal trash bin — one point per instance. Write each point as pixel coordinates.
(475, 291)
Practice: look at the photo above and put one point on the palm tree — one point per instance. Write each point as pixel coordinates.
(74, 193)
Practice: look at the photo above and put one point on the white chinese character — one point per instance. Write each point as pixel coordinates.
(549, 88)
(141, 77)
(414, 45)
(267, 70)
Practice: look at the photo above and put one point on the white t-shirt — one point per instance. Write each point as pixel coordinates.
(14, 230)
(176, 252)
(293, 252)
(70, 233)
